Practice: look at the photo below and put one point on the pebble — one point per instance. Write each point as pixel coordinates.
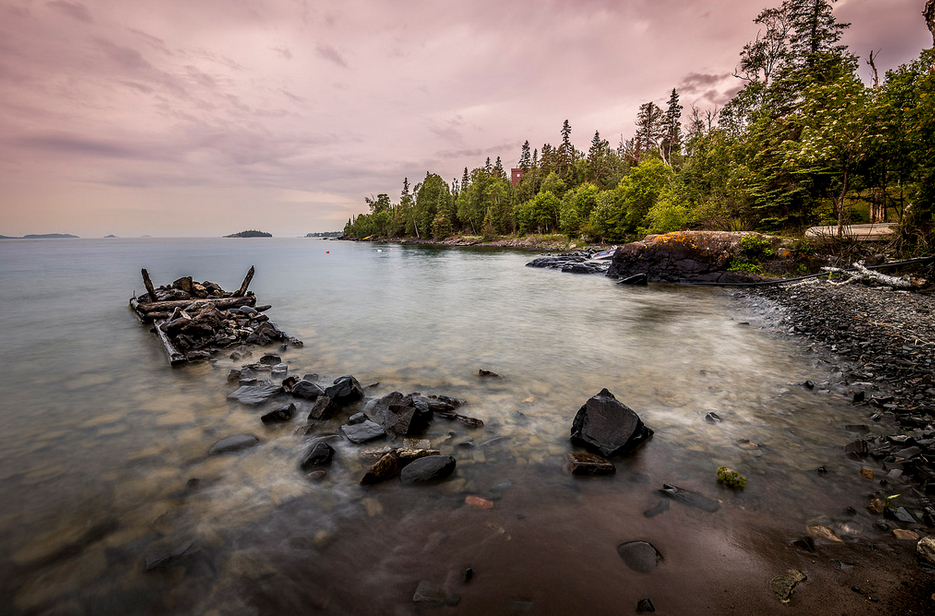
(478, 502)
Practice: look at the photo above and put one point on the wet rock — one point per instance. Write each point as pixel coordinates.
(822, 532)
(645, 606)
(877, 506)
(579, 463)
(857, 449)
(477, 502)
(363, 432)
(280, 370)
(279, 415)
(867, 473)
(316, 475)
(488, 374)
(357, 418)
(712, 418)
(731, 478)
(403, 415)
(307, 390)
(233, 443)
(635, 280)
(687, 497)
(806, 544)
(784, 585)
(345, 390)
(428, 469)
(387, 467)
(428, 593)
(270, 360)
(324, 408)
(900, 514)
(905, 535)
(926, 549)
(319, 454)
(253, 395)
(607, 426)
(640, 556)
(233, 375)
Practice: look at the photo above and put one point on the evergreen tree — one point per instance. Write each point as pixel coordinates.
(649, 130)
(525, 159)
(672, 129)
(498, 171)
(598, 159)
(566, 151)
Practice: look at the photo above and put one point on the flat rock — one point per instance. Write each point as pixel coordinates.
(607, 426)
(579, 463)
(405, 415)
(307, 390)
(253, 395)
(279, 415)
(345, 390)
(363, 432)
(641, 556)
(430, 468)
(233, 443)
(387, 467)
(926, 549)
(319, 454)
(783, 585)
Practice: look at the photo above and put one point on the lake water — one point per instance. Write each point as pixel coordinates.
(99, 438)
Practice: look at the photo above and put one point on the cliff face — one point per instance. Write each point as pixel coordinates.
(683, 256)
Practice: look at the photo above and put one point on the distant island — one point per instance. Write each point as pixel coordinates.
(41, 236)
(326, 234)
(110, 237)
(251, 233)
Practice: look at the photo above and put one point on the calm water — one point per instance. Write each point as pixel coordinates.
(99, 437)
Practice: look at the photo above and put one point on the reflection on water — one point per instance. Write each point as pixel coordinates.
(103, 448)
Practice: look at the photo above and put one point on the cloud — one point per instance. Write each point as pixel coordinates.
(72, 9)
(329, 53)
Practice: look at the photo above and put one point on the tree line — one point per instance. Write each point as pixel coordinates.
(804, 142)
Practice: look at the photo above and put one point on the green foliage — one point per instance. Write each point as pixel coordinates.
(731, 478)
(540, 214)
(756, 247)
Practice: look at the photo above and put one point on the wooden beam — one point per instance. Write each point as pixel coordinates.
(149, 286)
(175, 357)
(222, 303)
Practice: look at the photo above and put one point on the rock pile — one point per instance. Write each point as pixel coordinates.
(572, 263)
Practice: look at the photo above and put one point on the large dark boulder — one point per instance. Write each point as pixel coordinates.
(345, 390)
(319, 454)
(253, 395)
(307, 390)
(607, 426)
(682, 256)
(428, 469)
(323, 408)
(403, 415)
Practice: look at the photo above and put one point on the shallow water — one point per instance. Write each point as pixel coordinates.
(99, 437)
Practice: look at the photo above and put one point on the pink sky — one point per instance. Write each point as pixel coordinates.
(207, 117)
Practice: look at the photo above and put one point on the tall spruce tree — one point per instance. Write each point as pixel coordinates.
(672, 129)
(525, 158)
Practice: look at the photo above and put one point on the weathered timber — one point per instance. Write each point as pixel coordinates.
(246, 283)
(175, 358)
(221, 304)
(149, 286)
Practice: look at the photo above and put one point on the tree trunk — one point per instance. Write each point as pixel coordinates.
(246, 283)
(149, 286)
(841, 201)
(220, 304)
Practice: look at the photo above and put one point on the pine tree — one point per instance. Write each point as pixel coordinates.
(566, 151)
(498, 171)
(487, 166)
(649, 130)
(525, 160)
(597, 158)
(672, 128)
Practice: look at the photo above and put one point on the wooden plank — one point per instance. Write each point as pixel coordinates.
(175, 357)
(219, 303)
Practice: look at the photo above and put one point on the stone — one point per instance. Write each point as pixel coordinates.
(279, 415)
(319, 454)
(926, 549)
(900, 514)
(387, 467)
(608, 427)
(270, 360)
(640, 556)
(345, 390)
(363, 432)
(483, 372)
(357, 418)
(428, 593)
(280, 370)
(867, 474)
(687, 497)
(403, 415)
(253, 395)
(579, 463)
(249, 311)
(784, 585)
(233, 375)
(645, 606)
(324, 408)
(822, 532)
(712, 418)
(856, 448)
(233, 443)
(428, 469)
(477, 502)
(877, 506)
(905, 535)
(307, 390)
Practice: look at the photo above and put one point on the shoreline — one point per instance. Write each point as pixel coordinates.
(526, 243)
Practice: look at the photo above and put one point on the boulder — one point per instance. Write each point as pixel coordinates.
(607, 426)
(345, 390)
(319, 454)
(254, 395)
(580, 463)
(640, 556)
(926, 549)
(233, 443)
(428, 469)
(363, 431)
(323, 408)
(306, 390)
(403, 415)
(387, 467)
(279, 415)
(682, 256)
(270, 360)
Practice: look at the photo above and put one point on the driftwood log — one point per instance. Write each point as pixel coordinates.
(246, 283)
(221, 304)
(148, 283)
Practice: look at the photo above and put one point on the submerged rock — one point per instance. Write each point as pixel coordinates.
(579, 463)
(641, 556)
(687, 497)
(363, 431)
(431, 468)
(324, 408)
(607, 426)
(279, 415)
(233, 443)
(319, 454)
(307, 390)
(784, 585)
(253, 395)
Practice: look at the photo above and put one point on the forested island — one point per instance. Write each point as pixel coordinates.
(41, 236)
(804, 142)
(251, 233)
